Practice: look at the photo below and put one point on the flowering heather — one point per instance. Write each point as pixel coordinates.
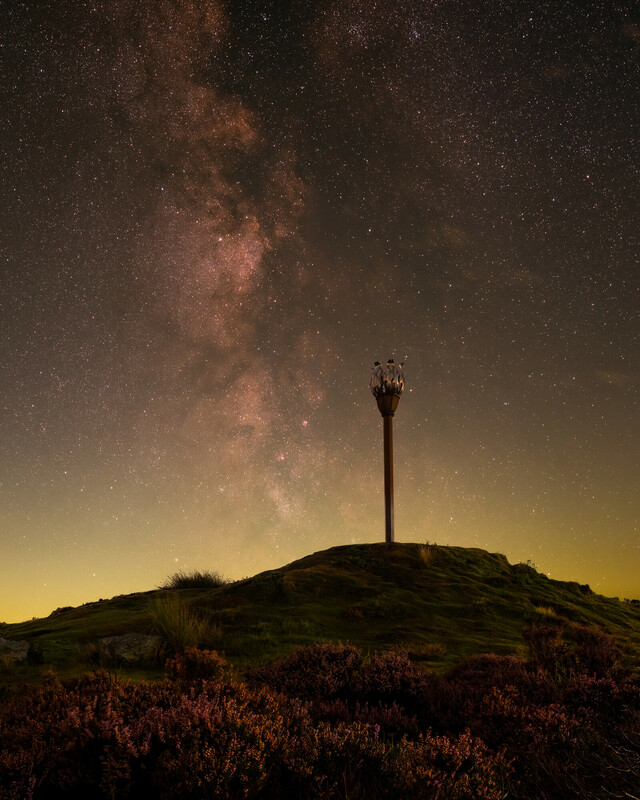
(195, 664)
(316, 672)
(324, 725)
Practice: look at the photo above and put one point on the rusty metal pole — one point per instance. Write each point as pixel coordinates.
(387, 384)
(388, 477)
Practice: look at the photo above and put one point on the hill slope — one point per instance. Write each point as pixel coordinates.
(442, 603)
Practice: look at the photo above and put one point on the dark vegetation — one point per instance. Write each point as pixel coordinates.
(325, 722)
(194, 580)
(442, 604)
(374, 671)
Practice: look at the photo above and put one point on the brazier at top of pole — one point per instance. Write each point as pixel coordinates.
(387, 384)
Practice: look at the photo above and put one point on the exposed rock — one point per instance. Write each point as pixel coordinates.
(16, 649)
(130, 648)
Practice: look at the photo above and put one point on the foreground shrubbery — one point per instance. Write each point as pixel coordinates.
(103, 738)
(323, 724)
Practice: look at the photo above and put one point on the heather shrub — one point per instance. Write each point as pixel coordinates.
(41, 734)
(547, 651)
(212, 746)
(596, 652)
(564, 747)
(541, 741)
(390, 720)
(452, 700)
(610, 699)
(442, 707)
(196, 665)
(506, 712)
(392, 677)
(474, 677)
(443, 768)
(102, 738)
(350, 762)
(488, 729)
(483, 671)
(561, 737)
(317, 672)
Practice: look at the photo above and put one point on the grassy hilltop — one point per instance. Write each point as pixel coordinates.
(390, 699)
(440, 603)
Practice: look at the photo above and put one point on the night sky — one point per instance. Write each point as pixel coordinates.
(217, 215)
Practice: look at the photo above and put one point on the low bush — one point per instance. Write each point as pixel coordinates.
(196, 665)
(392, 677)
(390, 721)
(547, 650)
(316, 672)
(578, 650)
(448, 768)
(477, 675)
(596, 652)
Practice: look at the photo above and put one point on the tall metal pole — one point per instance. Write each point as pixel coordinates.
(387, 384)
(388, 477)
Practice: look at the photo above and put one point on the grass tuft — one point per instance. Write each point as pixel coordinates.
(430, 651)
(427, 553)
(546, 611)
(194, 580)
(181, 628)
(7, 664)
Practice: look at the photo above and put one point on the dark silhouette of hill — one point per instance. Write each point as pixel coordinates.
(440, 603)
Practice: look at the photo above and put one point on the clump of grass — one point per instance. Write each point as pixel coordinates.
(429, 651)
(7, 664)
(479, 607)
(88, 653)
(427, 553)
(180, 628)
(194, 580)
(546, 611)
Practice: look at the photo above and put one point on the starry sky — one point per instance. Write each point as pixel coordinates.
(217, 215)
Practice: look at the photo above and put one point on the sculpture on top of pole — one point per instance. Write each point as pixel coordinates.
(387, 384)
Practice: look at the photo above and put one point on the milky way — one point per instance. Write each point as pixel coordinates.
(217, 216)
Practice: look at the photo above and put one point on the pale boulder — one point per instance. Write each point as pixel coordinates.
(15, 649)
(130, 648)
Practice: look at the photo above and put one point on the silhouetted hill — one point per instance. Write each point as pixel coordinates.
(441, 603)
